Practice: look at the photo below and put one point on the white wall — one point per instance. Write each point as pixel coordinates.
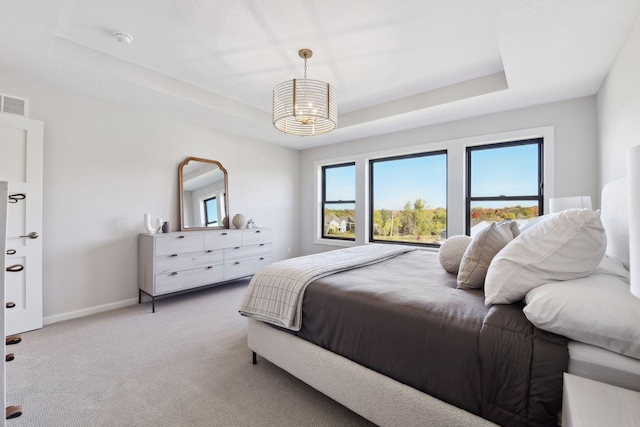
(106, 165)
(574, 123)
(619, 110)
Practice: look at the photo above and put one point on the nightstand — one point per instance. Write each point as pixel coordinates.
(588, 403)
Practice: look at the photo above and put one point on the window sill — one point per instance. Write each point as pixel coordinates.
(350, 243)
(335, 242)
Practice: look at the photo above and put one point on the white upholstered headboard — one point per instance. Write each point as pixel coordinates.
(615, 219)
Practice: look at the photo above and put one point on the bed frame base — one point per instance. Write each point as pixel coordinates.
(378, 398)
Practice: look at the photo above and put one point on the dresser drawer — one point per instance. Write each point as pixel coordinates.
(247, 252)
(177, 243)
(255, 236)
(244, 268)
(222, 239)
(188, 260)
(172, 282)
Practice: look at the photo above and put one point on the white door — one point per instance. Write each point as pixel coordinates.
(4, 194)
(21, 156)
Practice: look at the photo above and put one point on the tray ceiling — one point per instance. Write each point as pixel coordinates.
(395, 65)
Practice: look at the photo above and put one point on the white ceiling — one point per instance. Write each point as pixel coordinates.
(395, 65)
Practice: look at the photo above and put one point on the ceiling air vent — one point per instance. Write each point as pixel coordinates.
(14, 105)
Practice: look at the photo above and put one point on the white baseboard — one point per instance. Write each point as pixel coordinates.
(88, 311)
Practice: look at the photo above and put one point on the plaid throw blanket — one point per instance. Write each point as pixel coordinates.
(275, 292)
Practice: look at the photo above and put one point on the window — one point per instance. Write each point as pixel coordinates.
(408, 199)
(339, 201)
(504, 181)
(211, 211)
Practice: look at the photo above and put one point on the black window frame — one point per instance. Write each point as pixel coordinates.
(206, 212)
(326, 202)
(539, 197)
(372, 162)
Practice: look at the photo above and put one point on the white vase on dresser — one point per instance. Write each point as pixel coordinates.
(239, 221)
(173, 262)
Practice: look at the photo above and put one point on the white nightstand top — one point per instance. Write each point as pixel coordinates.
(592, 403)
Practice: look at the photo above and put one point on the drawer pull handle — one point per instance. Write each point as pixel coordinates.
(261, 244)
(209, 251)
(15, 268)
(224, 234)
(13, 411)
(10, 304)
(237, 247)
(257, 231)
(209, 267)
(174, 255)
(237, 262)
(180, 237)
(175, 273)
(13, 339)
(11, 251)
(14, 198)
(261, 258)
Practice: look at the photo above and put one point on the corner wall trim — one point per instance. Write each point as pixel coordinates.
(88, 311)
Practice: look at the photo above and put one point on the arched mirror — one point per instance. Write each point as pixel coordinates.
(204, 197)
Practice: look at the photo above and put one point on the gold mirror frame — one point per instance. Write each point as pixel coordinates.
(225, 217)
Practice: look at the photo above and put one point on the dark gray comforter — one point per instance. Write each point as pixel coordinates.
(405, 318)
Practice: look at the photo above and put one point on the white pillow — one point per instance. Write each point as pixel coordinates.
(565, 245)
(613, 267)
(451, 252)
(515, 228)
(532, 222)
(598, 310)
(484, 246)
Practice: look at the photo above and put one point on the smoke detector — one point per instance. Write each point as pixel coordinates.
(123, 38)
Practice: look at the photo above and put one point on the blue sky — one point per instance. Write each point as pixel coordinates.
(509, 171)
(398, 181)
(341, 183)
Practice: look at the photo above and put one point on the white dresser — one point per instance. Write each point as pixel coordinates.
(173, 262)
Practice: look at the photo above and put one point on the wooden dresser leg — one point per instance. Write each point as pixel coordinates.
(255, 359)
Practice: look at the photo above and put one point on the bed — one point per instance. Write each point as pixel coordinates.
(396, 342)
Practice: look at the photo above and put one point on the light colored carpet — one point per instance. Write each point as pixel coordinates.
(186, 365)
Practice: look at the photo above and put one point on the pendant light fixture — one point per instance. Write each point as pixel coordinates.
(304, 106)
